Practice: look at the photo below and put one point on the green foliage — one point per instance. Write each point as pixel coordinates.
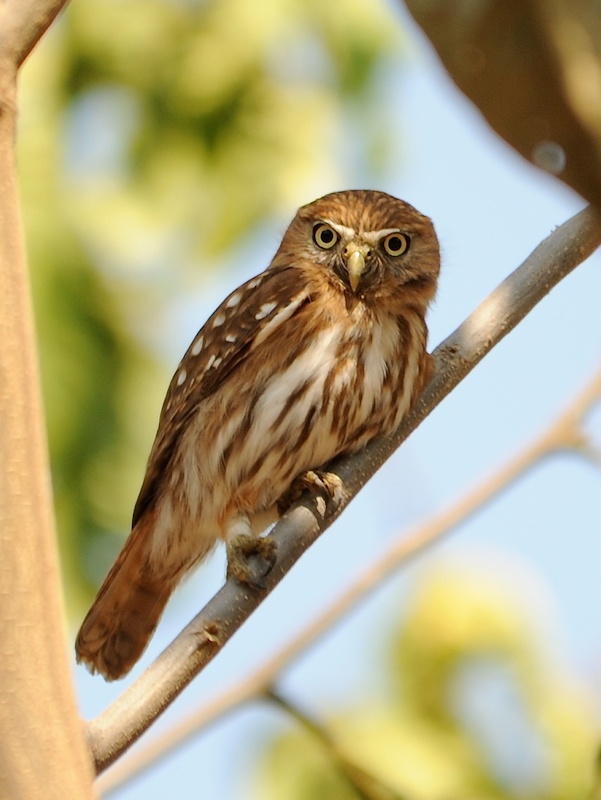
(154, 135)
(464, 640)
(230, 107)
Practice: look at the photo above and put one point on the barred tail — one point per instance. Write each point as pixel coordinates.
(126, 610)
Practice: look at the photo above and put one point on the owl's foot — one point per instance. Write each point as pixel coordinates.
(250, 559)
(317, 482)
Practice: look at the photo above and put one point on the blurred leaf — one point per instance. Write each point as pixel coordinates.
(234, 109)
(533, 68)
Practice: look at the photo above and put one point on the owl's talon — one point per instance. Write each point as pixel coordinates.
(317, 482)
(250, 559)
(326, 482)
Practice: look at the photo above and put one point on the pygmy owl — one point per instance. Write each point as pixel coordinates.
(320, 353)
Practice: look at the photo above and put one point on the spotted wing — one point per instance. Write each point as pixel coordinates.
(245, 319)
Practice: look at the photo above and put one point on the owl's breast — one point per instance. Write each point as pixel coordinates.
(316, 393)
(376, 377)
(348, 385)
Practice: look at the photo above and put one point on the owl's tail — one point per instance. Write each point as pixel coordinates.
(126, 610)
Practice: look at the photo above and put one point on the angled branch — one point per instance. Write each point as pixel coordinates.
(121, 724)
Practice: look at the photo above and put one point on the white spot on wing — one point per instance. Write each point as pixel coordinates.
(255, 282)
(181, 377)
(217, 362)
(197, 346)
(233, 300)
(210, 362)
(219, 320)
(230, 338)
(282, 315)
(265, 310)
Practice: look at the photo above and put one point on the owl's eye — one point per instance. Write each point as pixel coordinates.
(396, 244)
(324, 236)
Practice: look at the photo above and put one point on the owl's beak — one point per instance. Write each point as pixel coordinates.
(355, 266)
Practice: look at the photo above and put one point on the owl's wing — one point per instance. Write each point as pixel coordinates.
(245, 319)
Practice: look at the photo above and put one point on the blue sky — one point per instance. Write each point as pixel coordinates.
(543, 537)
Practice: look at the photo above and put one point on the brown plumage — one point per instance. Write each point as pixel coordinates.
(316, 356)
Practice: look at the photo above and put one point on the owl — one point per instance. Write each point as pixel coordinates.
(312, 358)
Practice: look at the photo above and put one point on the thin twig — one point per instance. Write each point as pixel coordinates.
(562, 434)
(130, 715)
(366, 785)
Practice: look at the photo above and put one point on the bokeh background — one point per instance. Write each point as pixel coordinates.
(164, 146)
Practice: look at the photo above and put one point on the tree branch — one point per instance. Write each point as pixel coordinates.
(129, 716)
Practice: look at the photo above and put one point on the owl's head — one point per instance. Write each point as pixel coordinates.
(369, 242)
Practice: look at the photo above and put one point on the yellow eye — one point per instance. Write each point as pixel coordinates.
(324, 236)
(396, 244)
